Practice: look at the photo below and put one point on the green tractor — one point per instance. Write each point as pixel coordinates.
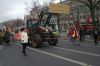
(41, 31)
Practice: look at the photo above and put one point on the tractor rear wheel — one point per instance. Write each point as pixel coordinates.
(36, 40)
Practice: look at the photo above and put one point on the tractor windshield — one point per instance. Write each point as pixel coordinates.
(31, 24)
(34, 23)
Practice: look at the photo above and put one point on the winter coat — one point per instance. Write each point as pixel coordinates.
(24, 37)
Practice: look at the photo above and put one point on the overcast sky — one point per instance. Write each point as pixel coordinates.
(12, 9)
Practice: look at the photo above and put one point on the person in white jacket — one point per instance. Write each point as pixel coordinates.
(24, 39)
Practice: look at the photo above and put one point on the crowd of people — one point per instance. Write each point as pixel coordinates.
(7, 36)
(76, 36)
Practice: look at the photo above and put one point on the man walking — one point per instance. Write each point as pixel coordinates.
(96, 36)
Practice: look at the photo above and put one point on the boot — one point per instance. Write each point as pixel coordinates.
(24, 53)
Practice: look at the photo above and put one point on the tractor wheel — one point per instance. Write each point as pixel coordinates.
(53, 42)
(36, 40)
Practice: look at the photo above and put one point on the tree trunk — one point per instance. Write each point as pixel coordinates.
(58, 20)
(93, 17)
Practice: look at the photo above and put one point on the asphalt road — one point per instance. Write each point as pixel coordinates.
(64, 54)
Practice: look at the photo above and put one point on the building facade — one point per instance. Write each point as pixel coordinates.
(76, 10)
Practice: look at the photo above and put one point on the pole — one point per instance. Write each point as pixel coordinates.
(58, 23)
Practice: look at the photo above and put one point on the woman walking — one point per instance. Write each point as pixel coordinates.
(24, 39)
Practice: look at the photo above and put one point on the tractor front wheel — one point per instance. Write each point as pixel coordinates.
(53, 42)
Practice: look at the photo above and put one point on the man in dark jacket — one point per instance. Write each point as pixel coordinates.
(81, 34)
(7, 37)
(96, 35)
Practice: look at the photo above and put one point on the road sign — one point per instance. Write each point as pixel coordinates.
(59, 8)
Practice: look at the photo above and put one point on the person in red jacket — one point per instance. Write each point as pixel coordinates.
(75, 37)
(16, 36)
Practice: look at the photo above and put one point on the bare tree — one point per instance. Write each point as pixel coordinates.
(41, 11)
(14, 23)
(38, 8)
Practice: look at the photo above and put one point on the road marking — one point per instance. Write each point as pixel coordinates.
(77, 51)
(61, 57)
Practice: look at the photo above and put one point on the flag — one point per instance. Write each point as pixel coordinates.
(87, 22)
(78, 22)
(71, 21)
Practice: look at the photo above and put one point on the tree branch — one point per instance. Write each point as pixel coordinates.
(96, 3)
(86, 3)
(97, 7)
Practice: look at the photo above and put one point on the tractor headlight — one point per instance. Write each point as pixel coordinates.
(47, 30)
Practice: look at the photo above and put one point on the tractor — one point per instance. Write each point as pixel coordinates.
(40, 31)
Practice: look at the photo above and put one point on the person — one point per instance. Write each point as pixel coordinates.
(96, 36)
(7, 37)
(70, 33)
(99, 35)
(75, 37)
(12, 36)
(81, 34)
(24, 39)
(1, 36)
(16, 36)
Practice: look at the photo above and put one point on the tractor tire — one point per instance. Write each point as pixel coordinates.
(53, 42)
(36, 41)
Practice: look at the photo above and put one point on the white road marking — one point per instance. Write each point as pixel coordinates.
(77, 51)
(61, 57)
